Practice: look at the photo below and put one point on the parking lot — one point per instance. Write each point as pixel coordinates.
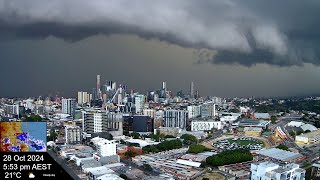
(238, 143)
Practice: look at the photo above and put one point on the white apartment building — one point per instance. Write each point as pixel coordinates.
(271, 171)
(101, 121)
(105, 147)
(194, 111)
(139, 101)
(205, 125)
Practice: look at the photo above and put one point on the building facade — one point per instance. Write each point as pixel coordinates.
(68, 106)
(271, 171)
(73, 135)
(101, 121)
(176, 118)
(208, 110)
(194, 111)
(202, 125)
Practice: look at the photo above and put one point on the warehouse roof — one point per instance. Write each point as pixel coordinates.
(279, 154)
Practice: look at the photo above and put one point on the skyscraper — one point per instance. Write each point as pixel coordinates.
(98, 87)
(192, 90)
(164, 85)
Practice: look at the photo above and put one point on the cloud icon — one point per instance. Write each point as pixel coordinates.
(31, 175)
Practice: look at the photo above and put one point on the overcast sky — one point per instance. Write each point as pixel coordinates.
(227, 47)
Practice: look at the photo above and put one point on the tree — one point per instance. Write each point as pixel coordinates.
(230, 157)
(134, 144)
(196, 148)
(234, 110)
(147, 167)
(34, 118)
(169, 136)
(283, 147)
(273, 119)
(52, 136)
(135, 135)
(205, 178)
(300, 132)
(292, 133)
(123, 176)
(163, 146)
(307, 131)
(130, 153)
(189, 139)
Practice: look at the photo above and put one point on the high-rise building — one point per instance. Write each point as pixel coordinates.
(208, 110)
(101, 121)
(138, 123)
(84, 97)
(139, 101)
(192, 95)
(68, 106)
(176, 118)
(98, 87)
(164, 86)
(94, 94)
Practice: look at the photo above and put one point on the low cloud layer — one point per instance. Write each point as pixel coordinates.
(240, 32)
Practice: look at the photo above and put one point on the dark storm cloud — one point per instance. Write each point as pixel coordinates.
(243, 32)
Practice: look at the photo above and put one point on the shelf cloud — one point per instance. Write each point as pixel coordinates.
(245, 32)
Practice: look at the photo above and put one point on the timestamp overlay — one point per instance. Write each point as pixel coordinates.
(31, 165)
(23, 153)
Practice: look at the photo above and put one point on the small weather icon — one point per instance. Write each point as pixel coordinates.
(31, 175)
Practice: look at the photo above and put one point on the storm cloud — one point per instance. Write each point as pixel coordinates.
(246, 32)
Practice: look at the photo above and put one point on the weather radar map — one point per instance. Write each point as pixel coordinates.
(23, 136)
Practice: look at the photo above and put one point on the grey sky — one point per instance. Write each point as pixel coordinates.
(229, 48)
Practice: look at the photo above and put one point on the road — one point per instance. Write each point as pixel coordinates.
(208, 142)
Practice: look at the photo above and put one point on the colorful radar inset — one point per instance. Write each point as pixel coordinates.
(23, 136)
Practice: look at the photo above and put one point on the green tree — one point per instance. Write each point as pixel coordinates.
(135, 135)
(53, 135)
(134, 144)
(130, 153)
(234, 110)
(292, 133)
(34, 118)
(300, 132)
(147, 167)
(196, 148)
(307, 131)
(230, 157)
(163, 146)
(283, 147)
(189, 139)
(273, 119)
(169, 136)
(123, 176)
